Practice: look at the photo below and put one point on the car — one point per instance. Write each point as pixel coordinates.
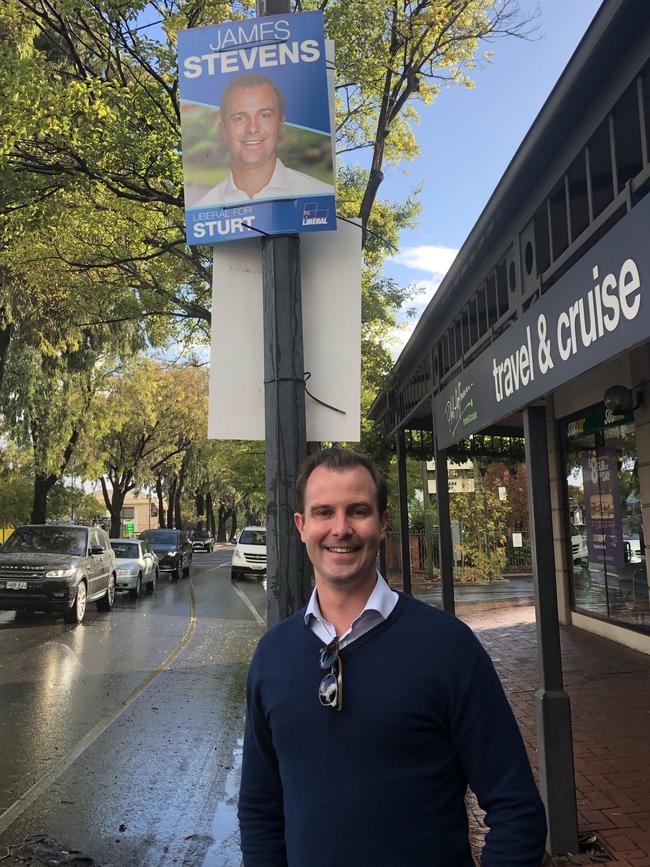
(578, 544)
(249, 556)
(57, 567)
(136, 566)
(201, 540)
(173, 548)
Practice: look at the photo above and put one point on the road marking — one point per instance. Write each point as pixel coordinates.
(244, 598)
(214, 568)
(18, 807)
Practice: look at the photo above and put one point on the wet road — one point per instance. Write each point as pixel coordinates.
(120, 738)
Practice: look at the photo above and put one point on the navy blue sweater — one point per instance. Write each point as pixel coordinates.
(382, 782)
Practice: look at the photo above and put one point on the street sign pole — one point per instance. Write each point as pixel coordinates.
(288, 584)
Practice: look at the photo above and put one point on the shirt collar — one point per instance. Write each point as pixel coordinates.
(278, 179)
(380, 600)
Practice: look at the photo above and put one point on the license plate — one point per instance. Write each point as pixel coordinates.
(16, 585)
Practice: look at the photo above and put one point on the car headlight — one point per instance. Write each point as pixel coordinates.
(238, 556)
(68, 572)
(126, 573)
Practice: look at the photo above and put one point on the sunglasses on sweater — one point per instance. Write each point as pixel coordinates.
(330, 691)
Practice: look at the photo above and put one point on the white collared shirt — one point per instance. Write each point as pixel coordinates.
(380, 604)
(284, 184)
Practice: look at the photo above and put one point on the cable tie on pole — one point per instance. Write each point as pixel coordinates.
(306, 376)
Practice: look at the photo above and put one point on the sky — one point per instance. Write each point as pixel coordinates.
(467, 139)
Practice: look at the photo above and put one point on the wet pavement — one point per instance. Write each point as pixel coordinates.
(121, 738)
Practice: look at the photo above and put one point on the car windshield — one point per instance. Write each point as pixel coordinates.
(200, 534)
(126, 550)
(47, 540)
(154, 538)
(252, 537)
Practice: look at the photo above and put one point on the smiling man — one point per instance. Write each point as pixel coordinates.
(252, 118)
(369, 713)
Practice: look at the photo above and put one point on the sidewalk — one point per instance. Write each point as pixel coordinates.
(609, 688)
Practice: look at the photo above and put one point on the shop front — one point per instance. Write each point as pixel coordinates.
(540, 332)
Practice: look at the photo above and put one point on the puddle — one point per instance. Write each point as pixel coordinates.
(225, 851)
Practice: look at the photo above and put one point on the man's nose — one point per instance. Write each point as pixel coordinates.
(252, 123)
(341, 524)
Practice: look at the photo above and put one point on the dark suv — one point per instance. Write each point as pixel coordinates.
(57, 567)
(201, 540)
(173, 548)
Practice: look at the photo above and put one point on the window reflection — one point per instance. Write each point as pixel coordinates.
(609, 577)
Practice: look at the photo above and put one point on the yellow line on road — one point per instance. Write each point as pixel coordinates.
(18, 807)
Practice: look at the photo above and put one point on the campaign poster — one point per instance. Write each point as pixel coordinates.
(255, 124)
(603, 513)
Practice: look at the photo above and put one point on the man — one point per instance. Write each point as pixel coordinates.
(369, 713)
(252, 117)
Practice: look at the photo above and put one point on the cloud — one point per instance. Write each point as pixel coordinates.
(428, 258)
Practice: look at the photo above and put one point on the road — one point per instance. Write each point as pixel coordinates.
(120, 737)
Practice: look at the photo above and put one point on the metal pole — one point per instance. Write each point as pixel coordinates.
(552, 706)
(403, 513)
(428, 534)
(288, 584)
(445, 542)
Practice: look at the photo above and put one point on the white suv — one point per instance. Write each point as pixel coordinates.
(249, 556)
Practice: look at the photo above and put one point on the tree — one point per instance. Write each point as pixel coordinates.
(146, 419)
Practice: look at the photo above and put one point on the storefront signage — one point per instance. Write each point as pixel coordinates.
(255, 122)
(599, 308)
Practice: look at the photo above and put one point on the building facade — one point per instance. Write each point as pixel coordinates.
(539, 336)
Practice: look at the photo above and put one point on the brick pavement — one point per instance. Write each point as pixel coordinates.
(609, 688)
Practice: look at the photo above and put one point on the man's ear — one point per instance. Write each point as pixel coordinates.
(299, 522)
(384, 523)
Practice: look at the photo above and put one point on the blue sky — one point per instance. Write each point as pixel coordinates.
(468, 137)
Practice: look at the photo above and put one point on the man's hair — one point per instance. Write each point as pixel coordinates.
(339, 460)
(248, 79)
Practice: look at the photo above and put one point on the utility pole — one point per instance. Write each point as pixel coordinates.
(288, 582)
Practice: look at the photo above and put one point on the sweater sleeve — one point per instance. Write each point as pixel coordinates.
(492, 752)
(261, 813)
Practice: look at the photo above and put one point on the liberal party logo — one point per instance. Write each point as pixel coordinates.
(313, 216)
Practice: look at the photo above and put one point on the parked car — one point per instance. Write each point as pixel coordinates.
(173, 548)
(249, 556)
(201, 540)
(578, 544)
(136, 565)
(57, 567)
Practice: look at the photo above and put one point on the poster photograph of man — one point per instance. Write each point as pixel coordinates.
(257, 147)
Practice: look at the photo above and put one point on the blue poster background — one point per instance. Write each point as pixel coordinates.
(210, 57)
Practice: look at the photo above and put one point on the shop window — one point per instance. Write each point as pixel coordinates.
(128, 512)
(627, 136)
(606, 547)
(578, 196)
(600, 168)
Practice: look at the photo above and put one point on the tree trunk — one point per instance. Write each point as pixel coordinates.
(199, 503)
(161, 503)
(171, 497)
(178, 516)
(221, 526)
(210, 514)
(39, 503)
(233, 523)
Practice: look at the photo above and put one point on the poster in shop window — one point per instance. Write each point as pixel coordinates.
(603, 514)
